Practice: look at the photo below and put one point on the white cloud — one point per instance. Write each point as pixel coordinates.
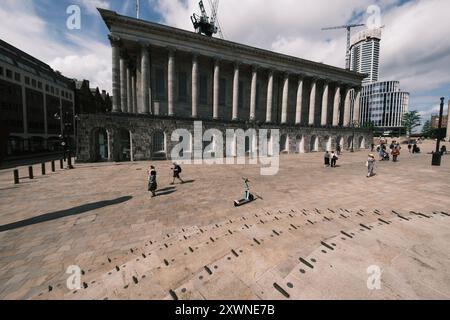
(92, 5)
(76, 57)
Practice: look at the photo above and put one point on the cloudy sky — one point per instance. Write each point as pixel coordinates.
(415, 48)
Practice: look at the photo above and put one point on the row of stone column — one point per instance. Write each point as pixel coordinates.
(126, 99)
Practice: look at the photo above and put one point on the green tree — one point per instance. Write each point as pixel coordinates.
(410, 121)
(427, 130)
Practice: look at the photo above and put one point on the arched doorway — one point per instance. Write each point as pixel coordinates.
(284, 143)
(340, 142)
(100, 145)
(300, 145)
(314, 144)
(326, 144)
(159, 145)
(362, 143)
(349, 142)
(123, 152)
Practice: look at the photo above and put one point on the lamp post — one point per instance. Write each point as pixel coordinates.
(67, 127)
(354, 124)
(436, 161)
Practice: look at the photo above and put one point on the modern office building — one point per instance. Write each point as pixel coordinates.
(31, 94)
(365, 54)
(383, 104)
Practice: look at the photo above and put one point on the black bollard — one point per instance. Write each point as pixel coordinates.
(30, 172)
(43, 169)
(61, 163)
(53, 166)
(16, 176)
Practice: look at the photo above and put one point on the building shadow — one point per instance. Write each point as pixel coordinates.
(63, 213)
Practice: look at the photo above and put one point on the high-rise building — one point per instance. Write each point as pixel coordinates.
(365, 54)
(383, 104)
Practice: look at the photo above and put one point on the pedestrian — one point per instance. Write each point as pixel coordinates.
(370, 165)
(409, 147)
(443, 150)
(326, 159)
(372, 147)
(338, 149)
(152, 184)
(334, 159)
(176, 173)
(395, 154)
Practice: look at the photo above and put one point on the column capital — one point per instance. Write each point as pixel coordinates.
(144, 44)
(171, 50)
(217, 60)
(195, 56)
(255, 67)
(115, 40)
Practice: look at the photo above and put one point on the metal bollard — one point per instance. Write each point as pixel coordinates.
(43, 169)
(16, 176)
(61, 163)
(53, 166)
(30, 172)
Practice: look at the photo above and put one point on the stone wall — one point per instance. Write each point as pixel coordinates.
(141, 128)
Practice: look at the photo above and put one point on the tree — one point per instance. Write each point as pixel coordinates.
(410, 121)
(427, 130)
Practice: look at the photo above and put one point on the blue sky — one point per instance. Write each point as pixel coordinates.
(410, 52)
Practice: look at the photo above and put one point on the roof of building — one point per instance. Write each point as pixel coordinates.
(166, 36)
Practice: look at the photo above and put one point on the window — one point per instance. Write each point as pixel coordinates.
(27, 80)
(203, 89)
(8, 73)
(47, 88)
(160, 84)
(52, 89)
(182, 87)
(1, 71)
(223, 92)
(17, 76)
(57, 91)
(33, 83)
(39, 85)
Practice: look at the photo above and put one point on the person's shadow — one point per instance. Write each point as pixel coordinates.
(166, 191)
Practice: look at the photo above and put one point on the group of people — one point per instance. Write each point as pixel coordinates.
(152, 182)
(385, 154)
(413, 148)
(330, 159)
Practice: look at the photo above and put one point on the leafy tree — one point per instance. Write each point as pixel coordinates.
(410, 121)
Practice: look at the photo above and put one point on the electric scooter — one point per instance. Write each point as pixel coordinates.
(248, 196)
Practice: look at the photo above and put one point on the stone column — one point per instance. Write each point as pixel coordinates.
(194, 86)
(133, 92)
(216, 89)
(269, 97)
(129, 90)
(171, 82)
(337, 100)
(357, 108)
(115, 45)
(236, 92)
(324, 119)
(312, 102)
(145, 80)
(123, 83)
(253, 93)
(347, 108)
(298, 109)
(284, 105)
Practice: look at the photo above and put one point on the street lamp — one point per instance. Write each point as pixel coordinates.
(436, 161)
(65, 136)
(354, 125)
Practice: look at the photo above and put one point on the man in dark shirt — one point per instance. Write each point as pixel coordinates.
(176, 173)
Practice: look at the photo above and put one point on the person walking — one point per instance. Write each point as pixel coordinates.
(409, 147)
(395, 154)
(176, 173)
(326, 158)
(152, 184)
(338, 149)
(334, 159)
(370, 165)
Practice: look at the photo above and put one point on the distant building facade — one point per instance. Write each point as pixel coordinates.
(435, 121)
(31, 93)
(89, 100)
(383, 104)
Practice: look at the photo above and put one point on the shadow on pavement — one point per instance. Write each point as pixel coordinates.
(63, 213)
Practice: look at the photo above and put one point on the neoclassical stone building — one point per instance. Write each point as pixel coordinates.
(166, 78)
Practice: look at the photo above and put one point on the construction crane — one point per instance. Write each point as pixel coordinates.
(348, 27)
(203, 24)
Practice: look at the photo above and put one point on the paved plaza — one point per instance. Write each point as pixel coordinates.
(312, 234)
